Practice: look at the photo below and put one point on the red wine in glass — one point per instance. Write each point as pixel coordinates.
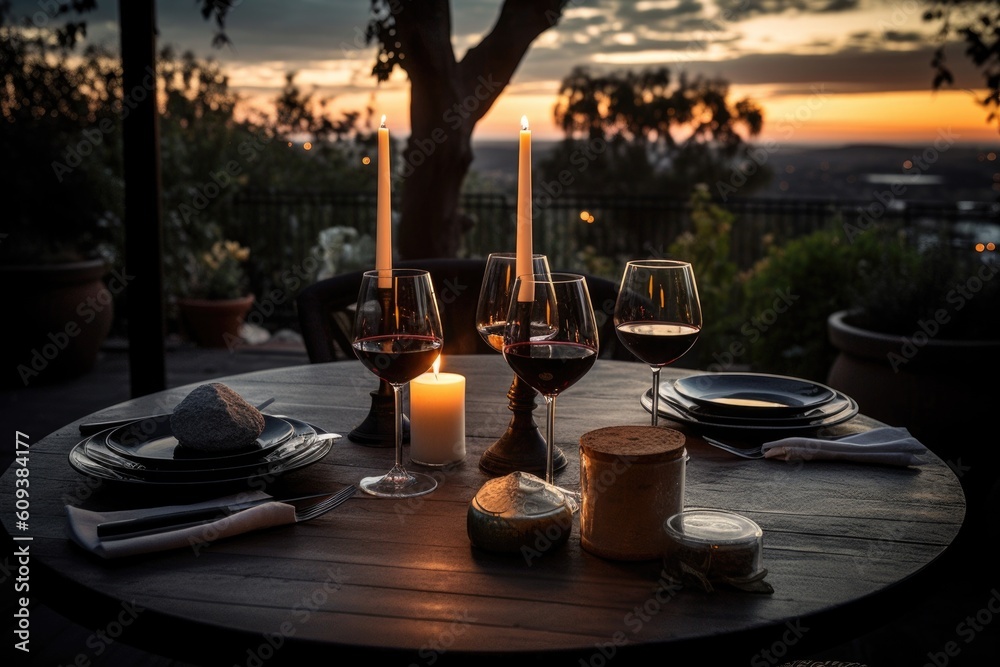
(657, 343)
(658, 314)
(550, 368)
(551, 341)
(397, 335)
(397, 359)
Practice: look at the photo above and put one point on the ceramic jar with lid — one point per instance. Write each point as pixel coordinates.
(631, 481)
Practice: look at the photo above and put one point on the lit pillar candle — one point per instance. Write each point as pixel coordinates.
(524, 252)
(437, 418)
(383, 247)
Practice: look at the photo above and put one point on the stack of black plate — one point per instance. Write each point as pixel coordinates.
(751, 401)
(145, 452)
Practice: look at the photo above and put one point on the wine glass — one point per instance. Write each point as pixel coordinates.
(658, 314)
(494, 296)
(397, 335)
(520, 447)
(551, 341)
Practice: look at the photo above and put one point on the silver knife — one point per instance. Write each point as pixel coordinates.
(183, 518)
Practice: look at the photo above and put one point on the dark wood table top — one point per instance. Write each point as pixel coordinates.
(400, 579)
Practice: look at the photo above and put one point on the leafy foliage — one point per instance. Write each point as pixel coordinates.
(59, 137)
(651, 132)
(706, 247)
(977, 24)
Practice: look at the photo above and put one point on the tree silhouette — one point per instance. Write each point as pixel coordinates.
(649, 131)
(447, 98)
(977, 23)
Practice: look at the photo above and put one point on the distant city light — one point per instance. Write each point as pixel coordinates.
(366, 160)
(308, 145)
(586, 217)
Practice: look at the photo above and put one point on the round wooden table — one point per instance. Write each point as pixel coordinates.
(400, 580)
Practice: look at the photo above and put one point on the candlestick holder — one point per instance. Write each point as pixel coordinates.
(522, 446)
(379, 428)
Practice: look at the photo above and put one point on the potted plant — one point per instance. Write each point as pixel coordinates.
(216, 299)
(917, 344)
(62, 179)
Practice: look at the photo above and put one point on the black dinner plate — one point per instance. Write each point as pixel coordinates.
(776, 426)
(264, 470)
(694, 410)
(153, 444)
(97, 449)
(758, 394)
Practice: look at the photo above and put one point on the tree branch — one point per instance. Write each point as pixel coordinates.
(498, 55)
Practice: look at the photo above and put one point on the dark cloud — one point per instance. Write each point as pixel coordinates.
(735, 10)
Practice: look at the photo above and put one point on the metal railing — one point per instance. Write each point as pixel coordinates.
(282, 227)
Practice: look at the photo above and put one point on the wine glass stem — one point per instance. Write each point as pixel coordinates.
(656, 394)
(397, 396)
(550, 424)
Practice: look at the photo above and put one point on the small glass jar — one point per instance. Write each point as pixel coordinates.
(718, 546)
(631, 481)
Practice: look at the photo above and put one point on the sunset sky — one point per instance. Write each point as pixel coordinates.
(830, 71)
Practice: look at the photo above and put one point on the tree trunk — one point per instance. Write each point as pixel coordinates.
(447, 99)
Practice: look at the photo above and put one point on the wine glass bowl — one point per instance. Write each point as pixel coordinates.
(494, 295)
(521, 446)
(397, 335)
(658, 314)
(550, 340)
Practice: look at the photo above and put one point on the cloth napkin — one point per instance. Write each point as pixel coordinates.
(83, 523)
(886, 445)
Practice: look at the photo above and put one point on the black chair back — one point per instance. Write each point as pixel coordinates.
(326, 315)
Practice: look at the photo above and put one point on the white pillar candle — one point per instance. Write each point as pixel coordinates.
(523, 262)
(437, 418)
(383, 212)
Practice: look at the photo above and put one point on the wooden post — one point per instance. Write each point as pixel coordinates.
(143, 235)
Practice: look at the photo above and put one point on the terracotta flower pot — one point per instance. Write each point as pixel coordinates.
(214, 322)
(60, 314)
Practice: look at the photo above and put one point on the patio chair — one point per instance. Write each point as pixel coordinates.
(326, 317)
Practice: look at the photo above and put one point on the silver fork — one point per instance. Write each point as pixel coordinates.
(756, 452)
(324, 506)
(745, 452)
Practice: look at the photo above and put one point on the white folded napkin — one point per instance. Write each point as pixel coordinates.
(887, 446)
(83, 526)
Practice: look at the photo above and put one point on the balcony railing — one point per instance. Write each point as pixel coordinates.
(282, 227)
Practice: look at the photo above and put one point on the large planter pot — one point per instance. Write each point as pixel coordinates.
(214, 322)
(58, 317)
(943, 391)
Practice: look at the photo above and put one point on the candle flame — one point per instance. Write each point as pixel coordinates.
(436, 366)
(383, 121)
(524, 123)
